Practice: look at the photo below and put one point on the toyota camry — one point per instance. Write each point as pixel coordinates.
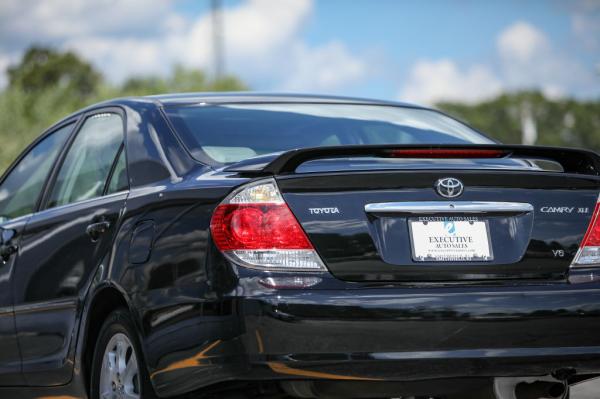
(246, 245)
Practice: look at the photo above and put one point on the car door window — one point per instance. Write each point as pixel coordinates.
(20, 190)
(85, 170)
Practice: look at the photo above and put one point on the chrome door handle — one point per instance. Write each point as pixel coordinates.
(433, 207)
(95, 230)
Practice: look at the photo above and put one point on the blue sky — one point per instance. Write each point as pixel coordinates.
(420, 51)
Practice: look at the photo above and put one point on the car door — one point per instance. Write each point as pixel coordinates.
(65, 242)
(20, 192)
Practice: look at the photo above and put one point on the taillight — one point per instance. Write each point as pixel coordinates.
(446, 153)
(255, 228)
(589, 251)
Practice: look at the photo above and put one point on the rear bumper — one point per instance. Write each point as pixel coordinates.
(429, 332)
(397, 334)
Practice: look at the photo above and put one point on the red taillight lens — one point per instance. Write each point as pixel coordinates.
(589, 251)
(257, 226)
(447, 153)
(592, 236)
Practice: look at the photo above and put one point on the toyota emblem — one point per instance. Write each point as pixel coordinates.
(449, 187)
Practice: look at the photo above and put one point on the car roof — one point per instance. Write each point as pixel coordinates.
(257, 97)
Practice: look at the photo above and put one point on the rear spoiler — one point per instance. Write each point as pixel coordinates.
(572, 160)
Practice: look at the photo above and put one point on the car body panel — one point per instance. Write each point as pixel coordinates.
(56, 261)
(10, 355)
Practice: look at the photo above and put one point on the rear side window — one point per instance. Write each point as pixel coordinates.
(86, 168)
(20, 190)
(229, 133)
(119, 181)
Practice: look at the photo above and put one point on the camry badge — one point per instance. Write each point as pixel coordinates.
(449, 187)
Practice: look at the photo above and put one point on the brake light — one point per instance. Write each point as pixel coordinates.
(255, 228)
(589, 251)
(447, 153)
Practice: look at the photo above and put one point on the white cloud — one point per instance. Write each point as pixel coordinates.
(119, 37)
(585, 22)
(587, 30)
(4, 63)
(31, 20)
(263, 42)
(324, 68)
(119, 59)
(432, 81)
(521, 41)
(526, 59)
(259, 26)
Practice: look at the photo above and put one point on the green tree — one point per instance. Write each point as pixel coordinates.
(181, 80)
(42, 68)
(560, 122)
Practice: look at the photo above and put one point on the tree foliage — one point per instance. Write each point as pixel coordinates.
(47, 85)
(43, 68)
(181, 80)
(561, 122)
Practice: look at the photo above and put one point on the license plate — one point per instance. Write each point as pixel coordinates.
(450, 241)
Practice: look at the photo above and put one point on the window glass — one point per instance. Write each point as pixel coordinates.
(119, 178)
(21, 189)
(233, 132)
(86, 167)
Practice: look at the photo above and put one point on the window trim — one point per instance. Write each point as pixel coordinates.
(51, 181)
(113, 167)
(83, 203)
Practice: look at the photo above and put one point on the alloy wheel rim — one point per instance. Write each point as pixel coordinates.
(119, 375)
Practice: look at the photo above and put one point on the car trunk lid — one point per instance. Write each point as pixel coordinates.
(512, 220)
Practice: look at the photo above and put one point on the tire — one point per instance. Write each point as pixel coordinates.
(118, 367)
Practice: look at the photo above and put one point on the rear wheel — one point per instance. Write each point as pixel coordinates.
(118, 370)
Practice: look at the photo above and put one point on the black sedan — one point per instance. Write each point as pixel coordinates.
(244, 245)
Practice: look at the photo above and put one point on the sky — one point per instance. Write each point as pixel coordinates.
(408, 50)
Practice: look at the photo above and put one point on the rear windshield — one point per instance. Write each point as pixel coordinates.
(228, 133)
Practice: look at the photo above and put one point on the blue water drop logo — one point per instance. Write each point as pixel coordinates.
(450, 228)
